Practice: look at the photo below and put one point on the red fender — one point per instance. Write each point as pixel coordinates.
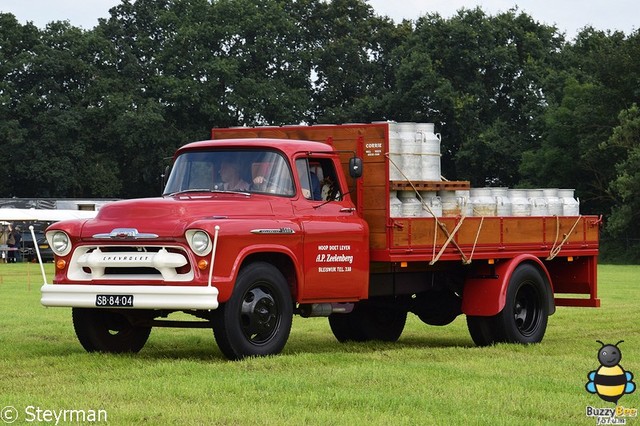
(485, 289)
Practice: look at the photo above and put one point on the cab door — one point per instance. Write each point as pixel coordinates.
(336, 242)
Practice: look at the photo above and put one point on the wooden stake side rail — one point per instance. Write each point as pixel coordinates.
(412, 239)
(573, 271)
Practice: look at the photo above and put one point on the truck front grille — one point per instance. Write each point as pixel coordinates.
(131, 263)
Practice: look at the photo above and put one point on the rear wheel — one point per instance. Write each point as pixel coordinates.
(481, 330)
(526, 311)
(101, 330)
(524, 316)
(368, 322)
(256, 320)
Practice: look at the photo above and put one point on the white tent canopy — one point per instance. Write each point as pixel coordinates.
(42, 215)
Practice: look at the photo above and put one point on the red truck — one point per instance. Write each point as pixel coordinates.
(259, 224)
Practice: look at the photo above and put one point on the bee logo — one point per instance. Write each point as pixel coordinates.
(610, 381)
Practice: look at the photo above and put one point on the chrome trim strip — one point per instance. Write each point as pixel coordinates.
(280, 231)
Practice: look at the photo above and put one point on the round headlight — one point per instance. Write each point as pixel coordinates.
(200, 243)
(60, 243)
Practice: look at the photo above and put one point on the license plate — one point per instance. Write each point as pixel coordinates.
(114, 300)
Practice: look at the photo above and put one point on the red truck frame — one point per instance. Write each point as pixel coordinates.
(302, 226)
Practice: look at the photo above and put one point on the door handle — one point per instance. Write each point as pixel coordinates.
(347, 210)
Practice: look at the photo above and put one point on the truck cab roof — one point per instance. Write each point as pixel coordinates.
(288, 146)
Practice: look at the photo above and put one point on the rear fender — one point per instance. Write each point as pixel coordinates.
(485, 289)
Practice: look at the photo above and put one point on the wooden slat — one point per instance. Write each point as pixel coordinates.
(489, 231)
(376, 219)
(377, 240)
(430, 185)
(518, 230)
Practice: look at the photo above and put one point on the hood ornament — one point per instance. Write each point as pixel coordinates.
(125, 234)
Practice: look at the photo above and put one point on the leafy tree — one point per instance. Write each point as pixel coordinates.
(597, 76)
(17, 46)
(480, 78)
(352, 62)
(625, 188)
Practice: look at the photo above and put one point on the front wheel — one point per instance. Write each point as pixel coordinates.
(256, 320)
(101, 330)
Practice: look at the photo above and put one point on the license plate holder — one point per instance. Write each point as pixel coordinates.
(114, 300)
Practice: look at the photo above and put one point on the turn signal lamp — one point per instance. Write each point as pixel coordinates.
(203, 264)
(570, 259)
(491, 261)
(61, 263)
(403, 264)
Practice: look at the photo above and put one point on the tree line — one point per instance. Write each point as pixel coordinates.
(96, 113)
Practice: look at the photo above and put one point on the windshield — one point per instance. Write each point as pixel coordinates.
(256, 171)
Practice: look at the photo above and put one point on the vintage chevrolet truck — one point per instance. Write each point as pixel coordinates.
(259, 224)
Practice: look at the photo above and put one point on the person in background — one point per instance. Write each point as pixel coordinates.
(13, 241)
(4, 235)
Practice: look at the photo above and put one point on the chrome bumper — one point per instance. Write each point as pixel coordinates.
(144, 297)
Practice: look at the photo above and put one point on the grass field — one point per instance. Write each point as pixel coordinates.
(433, 375)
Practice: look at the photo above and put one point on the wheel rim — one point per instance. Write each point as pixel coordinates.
(527, 309)
(259, 315)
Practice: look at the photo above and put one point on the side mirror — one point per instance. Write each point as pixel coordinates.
(355, 167)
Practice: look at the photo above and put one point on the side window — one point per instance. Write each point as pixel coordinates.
(318, 179)
(308, 180)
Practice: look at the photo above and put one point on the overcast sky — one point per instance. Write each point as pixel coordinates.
(568, 15)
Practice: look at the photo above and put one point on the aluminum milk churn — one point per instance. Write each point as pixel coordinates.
(411, 151)
(538, 202)
(503, 202)
(520, 205)
(570, 205)
(482, 202)
(431, 199)
(554, 204)
(430, 152)
(450, 203)
(411, 207)
(395, 205)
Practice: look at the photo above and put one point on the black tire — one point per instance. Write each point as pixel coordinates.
(481, 330)
(344, 329)
(526, 311)
(368, 322)
(256, 320)
(524, 316)
(437, 307)
(101, 330)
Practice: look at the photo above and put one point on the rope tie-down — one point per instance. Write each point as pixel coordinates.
(555, 249)
(443, 227)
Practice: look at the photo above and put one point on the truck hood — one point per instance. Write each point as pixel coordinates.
(169, 217)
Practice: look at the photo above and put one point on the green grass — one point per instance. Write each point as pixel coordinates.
(433, 375)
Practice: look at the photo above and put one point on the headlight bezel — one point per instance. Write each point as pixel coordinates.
(199, 241)
(60, 243)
